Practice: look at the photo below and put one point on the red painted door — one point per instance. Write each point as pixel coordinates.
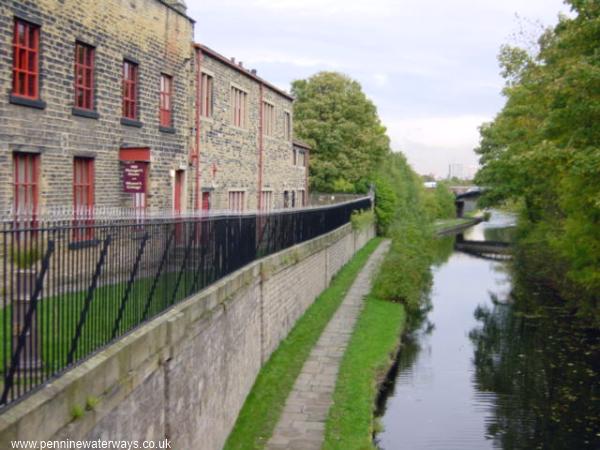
(178, 204)
(205, 201)
(178, 200)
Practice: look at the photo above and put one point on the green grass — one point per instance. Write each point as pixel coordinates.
(368, 356)
(58, 316)
(264, 404)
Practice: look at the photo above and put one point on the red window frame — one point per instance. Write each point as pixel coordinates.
(166, 100)
(83, 198)
(268, 118)
(84, 76)
(236, 200)
(206, 95)
(239, 101)
(301, 158)
(130, 90)
(26, 59)
(287, 125)
(266, 201)
(179, 191)
(26, 174)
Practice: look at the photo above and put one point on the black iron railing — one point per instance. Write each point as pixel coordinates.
(69, 288)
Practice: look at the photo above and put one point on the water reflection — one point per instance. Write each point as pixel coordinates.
(477, 372)
(543, 372)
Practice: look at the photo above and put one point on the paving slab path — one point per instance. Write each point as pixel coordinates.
(302, 423)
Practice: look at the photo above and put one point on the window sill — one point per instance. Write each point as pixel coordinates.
(131, 122)
(23, 101)
(170, 130)
(87, 113)
(79, 245)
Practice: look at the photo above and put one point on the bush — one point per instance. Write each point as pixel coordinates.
(362, 219)
(385, 205)
(405, 212)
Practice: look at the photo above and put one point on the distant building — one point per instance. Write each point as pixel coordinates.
(430, 184)
(456, 171)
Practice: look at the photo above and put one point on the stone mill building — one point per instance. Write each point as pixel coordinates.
(111, 104)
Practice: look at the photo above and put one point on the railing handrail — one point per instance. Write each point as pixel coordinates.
(59, 214)
(72, 285)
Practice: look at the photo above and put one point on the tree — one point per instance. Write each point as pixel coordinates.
(543, 150)
(333, 115)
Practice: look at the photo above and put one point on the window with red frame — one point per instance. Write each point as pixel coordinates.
(205, 201)
(266, 200)
(287, 126)
(236, 200)
(26, 183)
(83, 197)
(84, 76)
(166, 104)
(26, 51)
(130, 89)
(206, 95)
(302, 196)
(268, 119)
(239, 102)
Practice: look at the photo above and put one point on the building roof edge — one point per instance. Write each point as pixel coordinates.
(242, 70)
(302, 144)
(172, 8)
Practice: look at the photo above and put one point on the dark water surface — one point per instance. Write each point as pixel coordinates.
(479, 373)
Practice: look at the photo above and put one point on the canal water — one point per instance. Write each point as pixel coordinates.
(479, 373)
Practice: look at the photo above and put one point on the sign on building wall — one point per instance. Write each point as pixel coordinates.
(134, 177)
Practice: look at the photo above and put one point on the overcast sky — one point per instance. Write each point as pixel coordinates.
(429, 65)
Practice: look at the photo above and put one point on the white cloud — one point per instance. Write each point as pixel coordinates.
(432, 143)
(429, 65)
(380, 79)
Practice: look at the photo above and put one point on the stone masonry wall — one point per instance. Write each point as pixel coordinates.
(230, 154)
(185, 375)
(148, 31)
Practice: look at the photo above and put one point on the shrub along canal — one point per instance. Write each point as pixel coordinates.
(482, 371)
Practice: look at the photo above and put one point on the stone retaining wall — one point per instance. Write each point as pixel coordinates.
(186, 374)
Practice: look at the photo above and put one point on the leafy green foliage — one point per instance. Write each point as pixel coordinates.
(542, 151)
(350, 151)
(405, 212)
(333, 115)
(385, 204)
(362, 219)
(439, 203)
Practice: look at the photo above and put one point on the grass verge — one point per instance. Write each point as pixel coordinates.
(350, 422)
(441, 226)
(264, 404)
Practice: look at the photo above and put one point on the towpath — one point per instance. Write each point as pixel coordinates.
(302, 423)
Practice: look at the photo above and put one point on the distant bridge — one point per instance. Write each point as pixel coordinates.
(495, 250)
(466, 198)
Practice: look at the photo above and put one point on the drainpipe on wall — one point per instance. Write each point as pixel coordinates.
(260, 146)
(196, 156)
